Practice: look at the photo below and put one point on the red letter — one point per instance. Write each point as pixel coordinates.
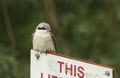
(68, 69)
(54, 76)
(48, 75)
(75, 70)
(81, 73)
(61, 63)
(41, 75)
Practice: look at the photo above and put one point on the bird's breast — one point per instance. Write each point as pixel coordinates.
(43, 42)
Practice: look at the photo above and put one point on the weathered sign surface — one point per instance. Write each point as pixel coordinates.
(59, 66)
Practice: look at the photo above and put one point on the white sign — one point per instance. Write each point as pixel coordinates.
(59, 66)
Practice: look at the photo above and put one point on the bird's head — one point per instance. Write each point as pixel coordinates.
(43, 27)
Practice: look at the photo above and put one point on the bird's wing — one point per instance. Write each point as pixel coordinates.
(54, 42)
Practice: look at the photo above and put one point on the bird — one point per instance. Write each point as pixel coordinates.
(43, 39)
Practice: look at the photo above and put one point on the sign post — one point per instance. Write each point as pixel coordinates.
(59, 66)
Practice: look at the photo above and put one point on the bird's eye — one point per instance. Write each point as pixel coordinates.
(41, 28)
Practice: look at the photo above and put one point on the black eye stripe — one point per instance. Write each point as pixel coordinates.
(41, 28)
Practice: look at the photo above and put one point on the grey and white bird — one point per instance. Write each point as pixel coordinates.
(43, 39)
